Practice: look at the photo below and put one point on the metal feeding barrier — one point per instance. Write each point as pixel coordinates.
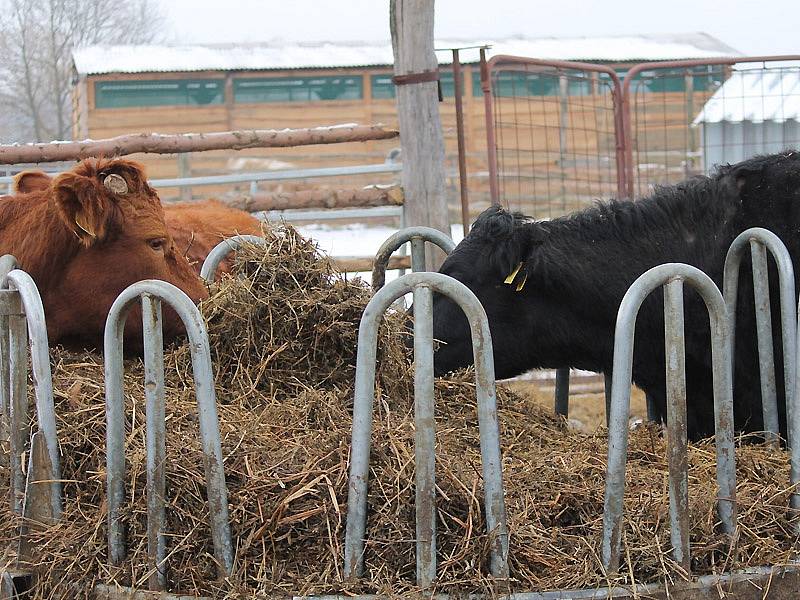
(222, 250)
(671, 276)
(152, 293)
(424, 424)
(417, 236)
(22, 326)
(759, 241)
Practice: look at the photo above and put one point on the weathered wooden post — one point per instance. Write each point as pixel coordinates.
(416, 78)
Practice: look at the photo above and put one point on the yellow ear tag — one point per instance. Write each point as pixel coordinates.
(510, 279)
(521, 284)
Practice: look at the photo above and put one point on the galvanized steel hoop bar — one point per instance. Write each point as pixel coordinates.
(760, 240)
(221, 250)
(487, 415)
(417, 236)
(28, 329)
(672, 276)
(152, 293)
(425, 429)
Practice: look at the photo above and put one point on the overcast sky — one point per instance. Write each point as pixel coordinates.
(752, 27)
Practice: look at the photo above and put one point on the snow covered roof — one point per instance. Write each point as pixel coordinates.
(93, 60)
(755, 95)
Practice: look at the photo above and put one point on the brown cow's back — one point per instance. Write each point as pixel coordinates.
(197, 227)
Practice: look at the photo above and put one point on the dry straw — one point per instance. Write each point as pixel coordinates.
(283, 339)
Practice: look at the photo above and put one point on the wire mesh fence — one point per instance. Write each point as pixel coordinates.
(562, 134)
(555, 127)
(687, 117)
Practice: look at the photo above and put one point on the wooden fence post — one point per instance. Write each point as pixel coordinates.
(421, 137)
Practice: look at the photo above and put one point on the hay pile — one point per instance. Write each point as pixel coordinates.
(284, 342)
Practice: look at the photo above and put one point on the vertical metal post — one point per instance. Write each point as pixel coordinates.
(766, 361)
(424, 437)
(425, 427)
(156, 444)
(675, 352)
(652, 408)
(491, 143)
(19, 430)
(184, 170)
(462, 156)
(562, 392)
(607, 379)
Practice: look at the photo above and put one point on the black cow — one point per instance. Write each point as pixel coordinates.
(577, 268)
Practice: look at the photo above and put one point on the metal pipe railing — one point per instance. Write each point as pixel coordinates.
(759, 241)
(417, 236)
(423, 386)
(23, 329)
(223, 249)
(152, 293)
(671, 276)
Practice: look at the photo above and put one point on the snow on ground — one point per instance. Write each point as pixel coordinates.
(358, 239)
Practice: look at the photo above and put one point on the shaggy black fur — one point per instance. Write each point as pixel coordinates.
(580, 266)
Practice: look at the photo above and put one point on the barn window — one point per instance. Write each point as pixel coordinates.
(162, 92)
(382, 86)
(297, 89)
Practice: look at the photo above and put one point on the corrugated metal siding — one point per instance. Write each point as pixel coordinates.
(727, 142)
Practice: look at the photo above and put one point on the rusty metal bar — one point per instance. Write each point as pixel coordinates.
(206, 406)
(491, 141)
(29, 333)
(677, 442)
(462, 152)
(155, 438)
(562, 392)
(487, 416)
(396, 240)
(620, 400)
(221, 251)
(760, 240)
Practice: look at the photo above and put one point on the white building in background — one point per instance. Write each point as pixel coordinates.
(754, 112)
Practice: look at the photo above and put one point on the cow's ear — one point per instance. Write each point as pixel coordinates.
(508, 236)
(84, 206)
(31, 181)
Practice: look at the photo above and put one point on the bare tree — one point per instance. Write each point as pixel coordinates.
(36, 41)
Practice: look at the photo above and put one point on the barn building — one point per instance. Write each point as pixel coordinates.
(753, 112)
(179, 89)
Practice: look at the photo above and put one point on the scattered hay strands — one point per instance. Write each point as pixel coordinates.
(284, 344)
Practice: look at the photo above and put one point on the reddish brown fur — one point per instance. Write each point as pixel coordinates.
(199, 226)
(83, 245)
(196, 227)
(31, 181)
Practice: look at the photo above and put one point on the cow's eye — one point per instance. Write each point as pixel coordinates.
(158, 244)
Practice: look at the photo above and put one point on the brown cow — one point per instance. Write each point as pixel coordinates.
(199, 226)
(196, 227)
(86, 236)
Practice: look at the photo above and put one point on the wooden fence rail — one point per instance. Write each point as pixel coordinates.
(157, 143)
